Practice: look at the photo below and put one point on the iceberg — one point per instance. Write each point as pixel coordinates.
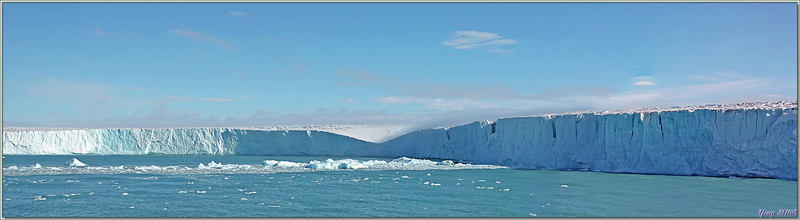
(73, 163)
(744, 140)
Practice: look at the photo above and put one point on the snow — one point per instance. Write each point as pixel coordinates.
(742, 139)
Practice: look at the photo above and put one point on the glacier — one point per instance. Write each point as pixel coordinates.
(739, 140)
(187, 141)
(754, 140)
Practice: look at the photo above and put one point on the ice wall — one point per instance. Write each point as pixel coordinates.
(753, 140)
(706, 142)
(216, 141)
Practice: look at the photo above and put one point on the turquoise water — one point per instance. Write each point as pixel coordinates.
(369, 193)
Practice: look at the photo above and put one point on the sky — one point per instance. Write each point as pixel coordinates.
(417, 64)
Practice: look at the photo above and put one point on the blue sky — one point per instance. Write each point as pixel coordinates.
(423, 64)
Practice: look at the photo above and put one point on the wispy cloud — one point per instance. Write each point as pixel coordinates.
(442, 96)
(716, 76)
(348, 100)
(467, 40)
(99, 32)
(725, 86)
(728, 88)
(190, 99)
(644, 80)
(82, 96)
(434, 103)
(644, 83)
(238, 14)
(427, 89)
(200, 38)
(297, 67)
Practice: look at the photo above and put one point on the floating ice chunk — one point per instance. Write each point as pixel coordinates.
(281, 164)
(124, 194)
(331, 164)
(148, 168)
(214, 164)
(436, 184)
(243, 199)
(38, 198)
(201, 192)
(75, 163)
(36, 166)
(447, 163)
(182, 191)
(565, 186)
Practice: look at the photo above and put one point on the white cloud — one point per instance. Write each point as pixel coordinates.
(200, 38)
(644, 83)
(467, 40)
(238, 14)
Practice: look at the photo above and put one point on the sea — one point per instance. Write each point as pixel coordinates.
(289, 186)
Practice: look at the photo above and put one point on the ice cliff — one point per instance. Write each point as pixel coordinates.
(201, 141)
(748, 140)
